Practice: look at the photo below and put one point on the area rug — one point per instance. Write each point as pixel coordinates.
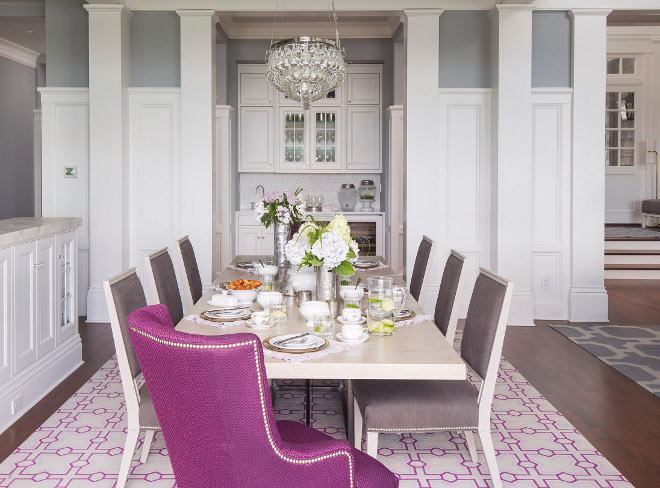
(631, 232)
(81, 444)
(632, 350)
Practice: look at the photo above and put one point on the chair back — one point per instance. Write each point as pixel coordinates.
(215, 413)
(192, 285)
(483, 335)
(124, 295)
(164, 287)
(450, 295)
(420, 274)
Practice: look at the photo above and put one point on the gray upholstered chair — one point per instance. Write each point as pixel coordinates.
(421, 271)
(164, 287)
(192, 285)
(124, 295)
(427, 405)
(450, 295)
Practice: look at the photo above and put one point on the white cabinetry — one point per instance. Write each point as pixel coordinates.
(253, 237)
(338, 134)
(40, 345)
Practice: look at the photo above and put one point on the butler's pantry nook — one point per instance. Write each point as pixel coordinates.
(329, 243)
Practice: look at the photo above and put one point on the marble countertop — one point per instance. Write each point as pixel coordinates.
(23, 229)
(324, 212)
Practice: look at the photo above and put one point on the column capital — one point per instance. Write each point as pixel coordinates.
(105, 7)
(211, 14)
(515, 7)
(423, 12)
(596, 12)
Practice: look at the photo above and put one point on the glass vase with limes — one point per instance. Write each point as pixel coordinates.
(385, 301)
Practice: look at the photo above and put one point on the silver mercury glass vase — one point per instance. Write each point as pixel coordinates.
(281, 232)
(326, 283)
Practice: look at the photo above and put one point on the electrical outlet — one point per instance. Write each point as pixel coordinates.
(545, 283)
(17, 405)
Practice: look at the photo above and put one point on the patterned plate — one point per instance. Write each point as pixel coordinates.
(268, 345)
(404, 315)
(365, 264)
(212, 318)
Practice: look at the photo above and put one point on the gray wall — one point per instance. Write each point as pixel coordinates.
(155, 49)
(551, 49)
(16, 139)
(464, 58)
(67, 43)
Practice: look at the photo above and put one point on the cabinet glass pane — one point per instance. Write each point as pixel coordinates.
(611, 139)
(611, 100)
(613, 66)
(627, 157)
(628, 66)
(325, 137)
(294, 137)
(627, 138)
(611, 157)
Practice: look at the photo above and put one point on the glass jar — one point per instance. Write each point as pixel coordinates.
(348, 197)
(367, 192)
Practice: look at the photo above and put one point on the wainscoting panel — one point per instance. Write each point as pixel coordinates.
(65, 143)
(155, 170)
(551, 139)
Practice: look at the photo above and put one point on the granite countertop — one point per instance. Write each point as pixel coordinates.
(23, 229)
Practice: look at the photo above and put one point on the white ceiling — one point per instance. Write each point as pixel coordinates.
(15, 29)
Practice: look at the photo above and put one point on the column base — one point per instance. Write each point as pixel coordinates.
(588, 304)
(97, 307)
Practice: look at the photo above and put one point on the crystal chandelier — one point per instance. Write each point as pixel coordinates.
(306, 69)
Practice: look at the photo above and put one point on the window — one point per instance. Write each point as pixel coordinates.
(619, 128)
(620, 66)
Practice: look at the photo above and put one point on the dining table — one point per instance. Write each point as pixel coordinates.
(417, 351)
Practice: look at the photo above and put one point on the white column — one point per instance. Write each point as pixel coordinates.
(512, 154)
(395, 224)
(422, 201)
(588, 298)
(108, 149)
(223, 195)
(198, 133)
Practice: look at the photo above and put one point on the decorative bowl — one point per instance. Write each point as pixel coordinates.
(308, 309)
(266, 269)
(349, 290)
(264, 298)
(244, 296)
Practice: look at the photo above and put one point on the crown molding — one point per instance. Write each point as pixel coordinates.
(603, 12)
(18, 53)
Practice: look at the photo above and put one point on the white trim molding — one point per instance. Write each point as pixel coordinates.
(18, 53)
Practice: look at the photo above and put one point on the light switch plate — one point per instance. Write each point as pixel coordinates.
(71, 171)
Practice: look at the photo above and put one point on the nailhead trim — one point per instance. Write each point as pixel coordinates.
(420, 429)
(261, 397)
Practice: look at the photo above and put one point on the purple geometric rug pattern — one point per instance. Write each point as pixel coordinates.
(81, 444)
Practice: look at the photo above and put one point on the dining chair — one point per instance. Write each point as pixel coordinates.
(450, 295)
(192, 285)
(218, 422)
(124, 295)
(163, 285)
(430, 406)
(421, 272)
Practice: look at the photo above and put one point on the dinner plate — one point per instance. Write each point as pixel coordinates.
(245, 264)
(305, 342)
(365, 264)
(219, 307)
(227, 314)
(215, 318)
(318, 344)
(404, 314)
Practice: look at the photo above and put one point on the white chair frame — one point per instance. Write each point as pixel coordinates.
(129, 385)
(187, 292)
(458, 298)
(648, 216)
(485, 398)
(427, 272)
(149, 271)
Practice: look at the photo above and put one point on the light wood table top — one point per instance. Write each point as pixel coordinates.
(416, 351)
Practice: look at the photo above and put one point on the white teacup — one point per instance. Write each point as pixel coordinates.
(351, 314)
(353, 332)
(221, 300)
(260, 318)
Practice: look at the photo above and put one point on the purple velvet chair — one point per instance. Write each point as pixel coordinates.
(217, 420)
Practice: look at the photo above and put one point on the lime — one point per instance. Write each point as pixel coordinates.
(388, 326)
(317, 329)
(387, 304)
(278, 315)
(266, 288)
(351, 305)
(374, 300)
(376, 327)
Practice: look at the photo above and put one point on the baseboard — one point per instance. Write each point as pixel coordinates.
(39, 379)
(550, 311)
(97, 307)
(522, 309)
(588, 304)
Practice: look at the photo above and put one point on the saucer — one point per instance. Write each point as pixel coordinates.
(252, 325)
(343, 321)
(362, 339)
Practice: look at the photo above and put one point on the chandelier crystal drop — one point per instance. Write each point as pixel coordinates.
(305, 69)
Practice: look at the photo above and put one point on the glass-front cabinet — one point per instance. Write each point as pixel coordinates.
(66, 285)
(293, 154)
(326, 134)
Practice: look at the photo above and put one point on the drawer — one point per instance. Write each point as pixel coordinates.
(248, 219)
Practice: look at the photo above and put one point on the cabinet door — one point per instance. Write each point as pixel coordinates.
(363, 88)
(24, 331)
(66, 299)
(249, 240)
(45, 302)
(5, 314)
(256, 133)
(255, 89)
(326, 138)
(293, 139)
(363, 138)
(267, 241)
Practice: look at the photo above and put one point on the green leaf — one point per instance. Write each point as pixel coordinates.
(316, 261)
(344, 268)
(351, 253)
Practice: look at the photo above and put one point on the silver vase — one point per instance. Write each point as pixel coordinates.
(326, 284)
(281, 233)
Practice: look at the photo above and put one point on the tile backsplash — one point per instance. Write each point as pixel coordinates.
(326, 185)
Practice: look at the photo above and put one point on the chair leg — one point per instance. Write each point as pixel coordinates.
(491, 461)
(127, 457)
(472, 446)
(372, 444)
(146, 445)
(643, 221)
(357, 426)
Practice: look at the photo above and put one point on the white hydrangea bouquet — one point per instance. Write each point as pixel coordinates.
(330, 245)
(284, 207)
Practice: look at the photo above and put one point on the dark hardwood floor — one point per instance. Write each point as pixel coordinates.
(620, 418)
